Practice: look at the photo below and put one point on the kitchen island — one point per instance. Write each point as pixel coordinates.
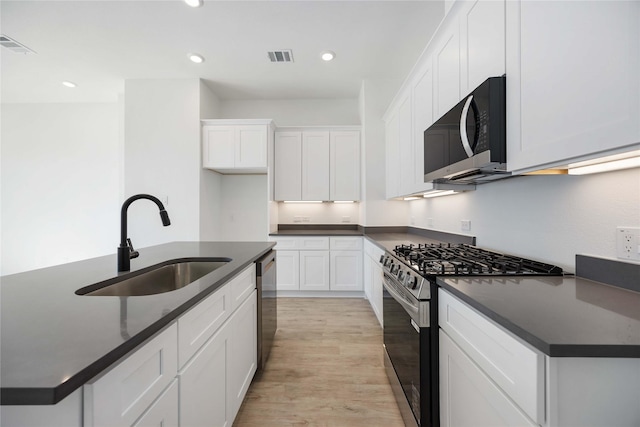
(54, 341)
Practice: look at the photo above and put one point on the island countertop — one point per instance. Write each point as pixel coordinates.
(54, 341)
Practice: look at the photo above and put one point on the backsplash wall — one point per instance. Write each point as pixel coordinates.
(318, 213)
(548, 218)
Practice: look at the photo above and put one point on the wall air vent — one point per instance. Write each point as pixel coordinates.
(13, 45)
(281, 56)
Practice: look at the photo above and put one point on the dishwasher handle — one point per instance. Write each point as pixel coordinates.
(265, 263)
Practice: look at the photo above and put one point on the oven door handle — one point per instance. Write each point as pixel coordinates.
(402, 300)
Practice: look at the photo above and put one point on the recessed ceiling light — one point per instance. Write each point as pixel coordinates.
(194, 3)
(69, 84)
(198, 59)
(327, 55)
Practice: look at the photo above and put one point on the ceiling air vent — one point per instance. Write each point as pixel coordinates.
(281, 56)
(13, 45)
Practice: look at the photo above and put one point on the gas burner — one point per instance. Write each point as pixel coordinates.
(462, 259)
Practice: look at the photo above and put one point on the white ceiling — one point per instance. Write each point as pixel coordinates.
(99, 44)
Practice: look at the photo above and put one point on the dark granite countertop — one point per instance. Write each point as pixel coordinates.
(54, 341)
(560, 316)
(318, 230)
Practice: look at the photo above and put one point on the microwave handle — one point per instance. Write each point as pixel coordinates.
(463, 127)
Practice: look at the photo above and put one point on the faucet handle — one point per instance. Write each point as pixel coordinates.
(132, 252)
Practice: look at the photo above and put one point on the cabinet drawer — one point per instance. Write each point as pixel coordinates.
(201, 322)
(120, 396)
(515, 367)
(286, 243)
(242, 285)
(345, 243)
(372, 250)
(314, 243)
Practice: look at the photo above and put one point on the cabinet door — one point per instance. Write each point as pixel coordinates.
(164, 411)
(468, 398)
(405, 137)
(315, 166)
(446, 61)
(345, 165)
(346, 270)
(392, 149)
(203, 383)
(482, 42)
(219, 146)
(137, 381)
(288, 166)
(314, 270)
(376, 289)
(288, 270)
(422, 119)
(367, 278)
(243, 345)
(573, 90)
(251, 146)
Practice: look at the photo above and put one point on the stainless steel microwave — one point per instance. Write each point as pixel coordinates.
(468, 144)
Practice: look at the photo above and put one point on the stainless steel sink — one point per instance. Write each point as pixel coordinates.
(165, 277)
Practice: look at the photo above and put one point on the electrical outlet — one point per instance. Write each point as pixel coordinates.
(165, 201)
(429, 222)
(297, 219)
(306, 219)
(628, 242)
(346, 219)
(465, 225)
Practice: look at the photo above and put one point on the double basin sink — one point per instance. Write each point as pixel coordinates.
(166, 277)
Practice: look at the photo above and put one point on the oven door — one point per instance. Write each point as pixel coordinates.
(407, 347)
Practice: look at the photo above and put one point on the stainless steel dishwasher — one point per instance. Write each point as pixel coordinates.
(267, 305)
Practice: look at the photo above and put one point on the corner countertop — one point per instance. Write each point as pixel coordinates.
(292, 230)
(560, 316)
(54, 341)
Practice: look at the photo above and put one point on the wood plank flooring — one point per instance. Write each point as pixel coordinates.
(325, 369)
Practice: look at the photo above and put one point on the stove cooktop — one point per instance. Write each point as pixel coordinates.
(466, 260)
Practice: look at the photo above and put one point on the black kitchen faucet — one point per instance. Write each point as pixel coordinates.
(125, 250)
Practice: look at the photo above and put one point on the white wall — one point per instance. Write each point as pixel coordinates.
(375, 96)
(547, 218)
(319, 213)
(60, 183)
(244, 208)
(210, 182)
(295, 112)
(162, 158)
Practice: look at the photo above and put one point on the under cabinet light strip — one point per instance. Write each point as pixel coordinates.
(439, 193)
(632, 162)
(302, 201)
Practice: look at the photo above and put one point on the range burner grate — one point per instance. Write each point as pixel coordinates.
(462, 259)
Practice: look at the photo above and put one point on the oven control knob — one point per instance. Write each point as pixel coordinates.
(412, 281)
(381, 259)
(401, 275)
(394, 268)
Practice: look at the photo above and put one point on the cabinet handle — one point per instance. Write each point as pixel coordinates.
(463, 126)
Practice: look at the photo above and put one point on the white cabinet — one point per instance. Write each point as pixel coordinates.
(468, 398)
(373, 277)
(164, 411)
(392, 151)
(236, 146)
(203, 385)
(573, 90)
(482, 42)
(446, 64)
(137, 381)
(322, 264)
(243, 362)
(344, 165)
(316, 164)
(314, 270)
(422, 112)
(288, 166)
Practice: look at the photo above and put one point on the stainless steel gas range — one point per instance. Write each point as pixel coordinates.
(411, 318)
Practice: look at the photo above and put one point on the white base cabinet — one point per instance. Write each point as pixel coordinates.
(373, 277)
(468, 398)
(319, 264)
(488, 377)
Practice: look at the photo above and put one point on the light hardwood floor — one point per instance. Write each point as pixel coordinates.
(325, 369)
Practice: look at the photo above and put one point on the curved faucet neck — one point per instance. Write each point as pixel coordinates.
(123, 213)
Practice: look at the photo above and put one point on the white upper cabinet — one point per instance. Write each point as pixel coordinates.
(345, 165)
(312, 164)
(288, 166)
(482, 42)
(236, 146)
(392, 158)
(422, 118)
(315, 166)
(446, 62)
(573, 90)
